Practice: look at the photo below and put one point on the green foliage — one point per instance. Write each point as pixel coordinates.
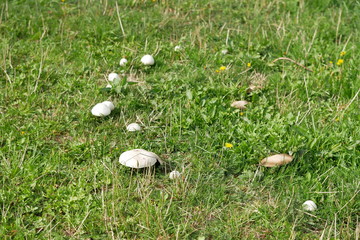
(60, 176)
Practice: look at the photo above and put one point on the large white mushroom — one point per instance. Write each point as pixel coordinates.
(100, 110)
(109, 105)
(139, 158)
(148, 60)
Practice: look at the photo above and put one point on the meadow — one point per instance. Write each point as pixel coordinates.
(60, 177)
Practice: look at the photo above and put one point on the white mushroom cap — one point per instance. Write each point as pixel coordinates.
(109, 105)
(224, 51)
(309, 206)
(123, 61)
(100, 110)
(174, 174)
(239, 104)
(113, 76)
(132, 127)
(139, 158)
(108, 86)
(147, 60)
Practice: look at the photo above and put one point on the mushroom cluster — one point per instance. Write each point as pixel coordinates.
(102, 109)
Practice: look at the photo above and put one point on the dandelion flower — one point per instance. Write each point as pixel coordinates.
(222, 68)
(249, 64)
(342, 53)
(217, 70)
(22, 132)
(228, 145)
(339, 62)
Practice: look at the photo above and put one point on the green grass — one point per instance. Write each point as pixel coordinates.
(60, 175)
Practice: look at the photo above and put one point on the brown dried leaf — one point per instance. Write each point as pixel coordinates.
(239, 104)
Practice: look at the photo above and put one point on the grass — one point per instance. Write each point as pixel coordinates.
(60, 176)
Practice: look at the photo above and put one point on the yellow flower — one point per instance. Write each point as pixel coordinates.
(22, 132)
(331, 62)
(217, 70)
(342, 53)
(222, 68)
(228, 145)
(339, 62)
(249, 64)
(241, 113)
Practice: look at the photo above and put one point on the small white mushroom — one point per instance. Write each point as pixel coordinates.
(224, 51)
(109, 105)
(276, 160)
(123, 62)
(132, 127)
(139, 158)
(148, 60)
(239, 104)
(174, 174)
(177, 48)
(100, 110)
(108, 86)
(309, 206)
(113, 76)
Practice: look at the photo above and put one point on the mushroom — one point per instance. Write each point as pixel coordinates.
(224, 51)
(174, 174)
(139, 158)
(108, 86)
(112, 76)
(109, 105)
(177, 48)
(276, 160)
(123, 62)
(100, 110)
(309, 206)
(148, 60)
(132, 127)
(239, 104)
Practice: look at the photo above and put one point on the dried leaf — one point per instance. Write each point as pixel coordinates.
(239, 104)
